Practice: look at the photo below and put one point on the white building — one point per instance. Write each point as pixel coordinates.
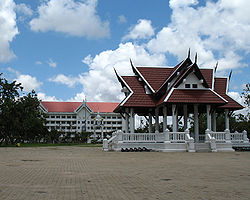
(81, 116)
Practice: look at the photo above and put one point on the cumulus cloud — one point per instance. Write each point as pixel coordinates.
(100, 83)
(79, 97)
(70, 81)
(28, 82)
(8, 29)
(217, 31)
(42, 96)
(142, 30)
(76, 18)
(24, 9)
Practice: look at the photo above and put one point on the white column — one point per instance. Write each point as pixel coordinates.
(226, 119)
(214, 120)
(209, 117)
(185, 116)
(164, 118)
(196, 123)
(157, 120)
(126, 120)
(132, 120)
(150, 123)
(174, 117)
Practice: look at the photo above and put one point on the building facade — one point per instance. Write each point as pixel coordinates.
(95, 117)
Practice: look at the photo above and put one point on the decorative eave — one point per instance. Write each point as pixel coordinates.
(83, 105)
(136, 71)
(197, 72)
(182, 64)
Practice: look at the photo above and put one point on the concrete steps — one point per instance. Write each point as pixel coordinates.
(202, 147)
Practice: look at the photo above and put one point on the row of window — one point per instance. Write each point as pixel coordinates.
(74, 117)
(74, 122)
(74, 128)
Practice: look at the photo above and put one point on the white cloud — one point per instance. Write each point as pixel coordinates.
(79, 97)
(142, 30)
(217, 31)
(8, 29)
(24, 9)
(100, 83)
(28, 82)
(76, 18)
(42, 96)
(66, 80)
(52, 63)
(122, 19)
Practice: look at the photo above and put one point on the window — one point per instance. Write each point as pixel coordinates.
(108, 122)
(187, 85)
(58, 116)
(68, 117)
(63, 117)
(113, 122)
(74, 117)
(52, 116)
(195, 86)
(108, 117)
(113, 117)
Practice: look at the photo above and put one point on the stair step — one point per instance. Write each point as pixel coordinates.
(202, 147)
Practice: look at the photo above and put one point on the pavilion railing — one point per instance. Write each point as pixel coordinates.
(219, 136)
(177, 137)
(140, 137)
(238, 138)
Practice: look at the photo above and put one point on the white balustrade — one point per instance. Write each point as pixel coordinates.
(219, 136)
(139, 137)
(177, 137)
(237, 137)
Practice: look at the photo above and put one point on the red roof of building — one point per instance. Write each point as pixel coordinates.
(194, 96)
(72, 106)
(155, 76)
(220, 86)
(163, 79)
(208, 75)
(104, 107)
(139, 97)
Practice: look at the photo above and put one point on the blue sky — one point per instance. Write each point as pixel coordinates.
(66, 49)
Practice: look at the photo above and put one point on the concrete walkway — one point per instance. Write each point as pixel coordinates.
(88, 173)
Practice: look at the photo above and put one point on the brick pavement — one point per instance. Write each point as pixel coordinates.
(73, 173)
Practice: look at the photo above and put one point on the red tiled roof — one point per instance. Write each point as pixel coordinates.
(72, 106)
(139, 98)
(220, 86)
(208, 75)
(155, 76)
(194, 96)
(104, 107)
(60, 106)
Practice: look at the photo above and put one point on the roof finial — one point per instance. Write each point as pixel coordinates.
(131, 62)
(195, 59)
(216, 65)
(189, 53)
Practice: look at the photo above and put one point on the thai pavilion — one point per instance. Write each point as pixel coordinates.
(181, 91)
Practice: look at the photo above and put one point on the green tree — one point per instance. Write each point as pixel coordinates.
(20, 117)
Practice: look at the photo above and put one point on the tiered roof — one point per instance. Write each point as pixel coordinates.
(155, 86)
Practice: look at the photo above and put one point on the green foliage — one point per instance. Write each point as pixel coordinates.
(20, 117)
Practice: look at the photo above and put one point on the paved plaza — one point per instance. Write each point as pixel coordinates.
(89, 173)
